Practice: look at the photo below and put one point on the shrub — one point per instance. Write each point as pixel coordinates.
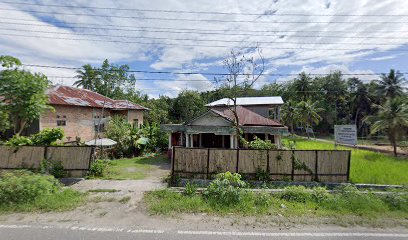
(26, 187)
(98, 168)
(296, 194)
(17, 140)
(190, 189)
(47, 136)
(226, 189)
(396, 201)
(260, 144)
(263, 200)
(320, 194)
(53, 168)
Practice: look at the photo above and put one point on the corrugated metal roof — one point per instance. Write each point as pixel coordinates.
(246, 117)
(245, 101)
(66, 95)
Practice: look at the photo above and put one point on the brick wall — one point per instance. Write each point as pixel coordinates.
(80, 120)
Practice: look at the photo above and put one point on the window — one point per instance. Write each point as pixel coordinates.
(272, 113)
(136, 123)
(61, 122)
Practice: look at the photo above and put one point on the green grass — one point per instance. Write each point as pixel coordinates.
(64, 200)
(366, 166)
(366, 207)
(134, 168)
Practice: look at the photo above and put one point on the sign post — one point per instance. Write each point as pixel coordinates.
(345, 134)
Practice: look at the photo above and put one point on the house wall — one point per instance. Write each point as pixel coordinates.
(80, 121)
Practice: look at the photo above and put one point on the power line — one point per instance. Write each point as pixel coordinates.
(210, 46)
(133, 28)
(209, 73)
(217, 33)
(198, 20)
(266, 13)
(198, 40)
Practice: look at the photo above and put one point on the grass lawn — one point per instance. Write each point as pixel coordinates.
(135, 168)
(366, 166)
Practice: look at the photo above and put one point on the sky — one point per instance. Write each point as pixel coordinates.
(315, 36)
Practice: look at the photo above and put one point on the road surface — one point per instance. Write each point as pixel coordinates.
(42, 232)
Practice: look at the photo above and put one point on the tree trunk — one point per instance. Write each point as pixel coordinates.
(395, 149)
(19, 127)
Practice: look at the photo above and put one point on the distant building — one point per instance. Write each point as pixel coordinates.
(258, 116)
(79, 112)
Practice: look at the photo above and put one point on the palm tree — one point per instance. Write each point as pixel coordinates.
(391, 118)
(87, 77)
(391, 85)
(308, 113)
(289, 114)
(360, 99)
(303, 86)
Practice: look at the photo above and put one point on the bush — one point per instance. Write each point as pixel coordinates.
(98, 168)
(17, 140)
(396, 201)
(26, 187)
(190, 189)
(320, 194)
(226, 189)
(157, 138)
(263, 200)
(47, 136)
(296, 194)
(53, 168)
(260, 144)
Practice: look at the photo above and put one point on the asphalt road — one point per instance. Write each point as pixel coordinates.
(28, 232)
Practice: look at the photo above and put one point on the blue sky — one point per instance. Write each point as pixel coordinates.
(315, 36)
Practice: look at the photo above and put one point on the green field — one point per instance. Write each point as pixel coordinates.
(135, 168)
(366, 166)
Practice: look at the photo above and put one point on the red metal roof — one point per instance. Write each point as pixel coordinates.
(247, 117)
(71, 96)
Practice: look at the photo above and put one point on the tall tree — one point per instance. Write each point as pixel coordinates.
(187, 105)
(391, 118)
(88, 77)
(302, 86)
(289, 114)
(24, 97)
(307, 112)
(391, 85)
(360, 100)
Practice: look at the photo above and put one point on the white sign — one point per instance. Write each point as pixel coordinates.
(346, 134)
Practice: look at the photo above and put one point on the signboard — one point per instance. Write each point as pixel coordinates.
(345, 134)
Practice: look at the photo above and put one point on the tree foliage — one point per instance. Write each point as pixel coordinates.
(23, 92)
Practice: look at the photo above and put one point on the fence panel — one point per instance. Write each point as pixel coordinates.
(222, 160)
(189, 162)
(333, 166)
(251, 161)
(304, 165)
(280, 165)
(296, 165)
(72, 158)
(21, 157)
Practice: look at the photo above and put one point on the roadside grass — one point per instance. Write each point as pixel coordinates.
(64, 200)
(133, 168)
(366, 166)
(366, 207)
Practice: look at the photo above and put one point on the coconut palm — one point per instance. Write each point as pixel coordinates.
(289, 114)
(307, 113)
(391, 118)
(303, 86)
(87, 77)
(391, 85)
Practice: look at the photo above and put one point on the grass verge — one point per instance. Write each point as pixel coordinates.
(366, 166)
(292, 203)
(134, 168)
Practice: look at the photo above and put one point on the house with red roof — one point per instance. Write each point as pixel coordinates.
(80, 112)
(257, 117)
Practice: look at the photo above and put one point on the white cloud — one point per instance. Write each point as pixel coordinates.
(317, 47)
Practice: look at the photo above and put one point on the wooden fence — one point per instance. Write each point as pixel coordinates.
(76, 160)
(291, 165)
